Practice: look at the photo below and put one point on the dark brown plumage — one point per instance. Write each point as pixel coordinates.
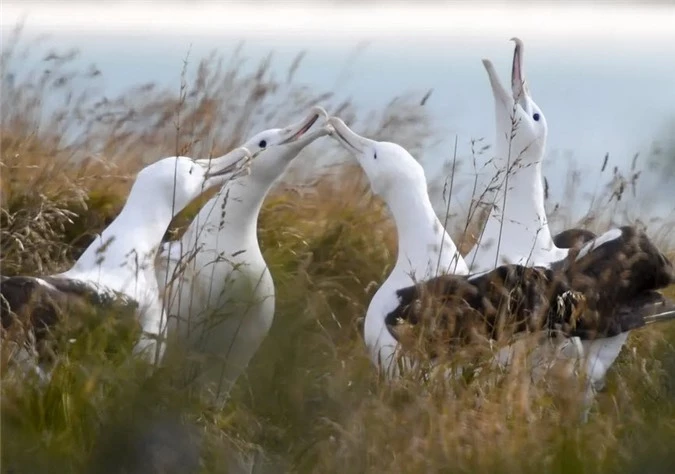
(31, 308)
(596, 292)
(571, 238)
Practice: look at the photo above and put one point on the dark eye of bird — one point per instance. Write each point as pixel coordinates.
(262, 144)
(536, 117)
(375, 155)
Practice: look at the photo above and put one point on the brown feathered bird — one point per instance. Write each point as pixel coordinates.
(598, 292)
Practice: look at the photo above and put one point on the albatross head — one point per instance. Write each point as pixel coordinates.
(521, 125)
(274, 149)
(389, 167)
(178, 180)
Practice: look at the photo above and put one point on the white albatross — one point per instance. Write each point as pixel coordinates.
(425, 250)
(117, 268)
(517, 230)
(220, 292)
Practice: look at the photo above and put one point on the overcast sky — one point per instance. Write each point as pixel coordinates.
(603, 74)
(574, 21)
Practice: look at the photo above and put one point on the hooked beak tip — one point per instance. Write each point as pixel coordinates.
(335, 124)
(518, 84)
(320, 111)
(315, 113)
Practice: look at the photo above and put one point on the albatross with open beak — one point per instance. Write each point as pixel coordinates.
(218, 288)
(517, 228)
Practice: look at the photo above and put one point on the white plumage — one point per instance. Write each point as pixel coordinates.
(424, 248)
(219, 291)
(118, 266)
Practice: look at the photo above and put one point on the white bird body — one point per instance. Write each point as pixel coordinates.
(222, 300)
(517, 228)
(119, 264)
(122, 259)
(219, 290)
(419, 258)
(521, 222)
(425, 250)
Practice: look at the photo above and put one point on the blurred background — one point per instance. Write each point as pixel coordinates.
(603, 72)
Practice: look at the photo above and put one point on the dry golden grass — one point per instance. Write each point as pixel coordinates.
(311, 399)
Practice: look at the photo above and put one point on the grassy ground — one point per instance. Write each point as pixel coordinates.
(311, 399)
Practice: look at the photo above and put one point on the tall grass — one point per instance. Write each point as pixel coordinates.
(310, 401)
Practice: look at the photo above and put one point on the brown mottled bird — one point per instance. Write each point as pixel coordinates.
(598, 292)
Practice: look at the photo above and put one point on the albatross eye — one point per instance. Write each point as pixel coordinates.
(536, 117)
(375, 155)
(262, 144)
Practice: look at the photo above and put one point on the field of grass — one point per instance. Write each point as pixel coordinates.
(311, 400)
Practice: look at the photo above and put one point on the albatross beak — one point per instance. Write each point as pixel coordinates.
(498, 90)
(235, 164)
(297, 130)
(352, 141)
(518, 84)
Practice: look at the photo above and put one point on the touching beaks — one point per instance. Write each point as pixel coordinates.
(235, 163)
(297, 130)
(346, 136)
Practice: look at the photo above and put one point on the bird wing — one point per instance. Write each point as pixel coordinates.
(606, 288)
(572, 238)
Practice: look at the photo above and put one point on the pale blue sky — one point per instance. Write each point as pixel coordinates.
(603, 75)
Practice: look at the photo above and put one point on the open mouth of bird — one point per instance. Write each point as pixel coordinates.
(304, 128)
(518, 85)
